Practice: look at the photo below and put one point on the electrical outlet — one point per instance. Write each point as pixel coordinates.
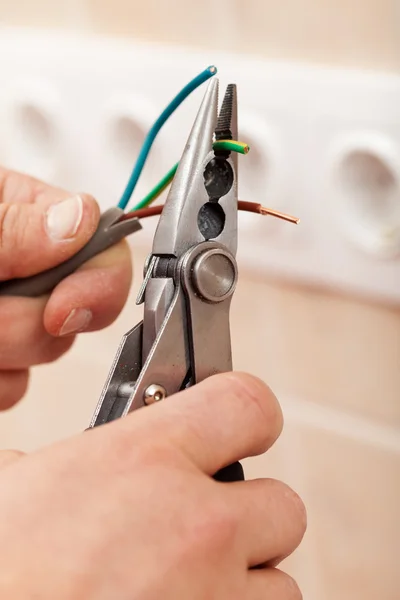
(325, 145)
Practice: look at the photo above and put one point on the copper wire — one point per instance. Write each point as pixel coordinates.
(278, 215)
(152, 211)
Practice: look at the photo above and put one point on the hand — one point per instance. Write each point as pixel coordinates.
(40, 227)
(129, 511)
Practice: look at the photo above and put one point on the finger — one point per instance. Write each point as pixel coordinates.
(272, 584)
(217, 422)
(93, 297)
(272, 520)
(8, 457)
(20, 188)
(37, 236)
(24, 340)
(13, 385)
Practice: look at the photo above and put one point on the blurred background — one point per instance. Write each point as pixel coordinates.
(328, 345)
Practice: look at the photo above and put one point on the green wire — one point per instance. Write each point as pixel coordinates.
(226, 145)
(157, 190)
(151, 136)
(231, 146)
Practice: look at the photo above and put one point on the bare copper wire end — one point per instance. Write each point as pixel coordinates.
(279, 215)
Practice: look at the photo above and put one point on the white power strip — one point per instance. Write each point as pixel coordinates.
(325, 145)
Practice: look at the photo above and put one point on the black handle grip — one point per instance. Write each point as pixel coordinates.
(229, 474)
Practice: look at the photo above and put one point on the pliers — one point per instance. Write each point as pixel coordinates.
(189, 278)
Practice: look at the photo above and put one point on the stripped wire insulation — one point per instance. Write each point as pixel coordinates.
(225, 145)
(253, 207)
(172, 106)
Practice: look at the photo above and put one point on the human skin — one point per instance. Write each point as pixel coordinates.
(128, 510)
(41, 226)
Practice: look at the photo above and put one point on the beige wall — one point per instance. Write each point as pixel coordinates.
(361, 33)
(334, 360)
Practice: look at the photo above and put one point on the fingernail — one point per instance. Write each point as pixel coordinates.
(77, 320)
(63, 219)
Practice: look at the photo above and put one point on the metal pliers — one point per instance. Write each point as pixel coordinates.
(189, 278)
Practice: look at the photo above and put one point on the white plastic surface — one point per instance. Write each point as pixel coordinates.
(325, 145)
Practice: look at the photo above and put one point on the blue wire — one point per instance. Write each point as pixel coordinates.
(172, 106)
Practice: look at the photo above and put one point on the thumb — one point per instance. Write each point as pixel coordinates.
(35, 237)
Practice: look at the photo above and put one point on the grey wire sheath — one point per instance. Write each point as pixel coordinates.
(109, 232)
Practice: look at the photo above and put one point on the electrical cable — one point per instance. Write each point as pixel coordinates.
(226, 145)
(157, 189)
(172, 106)
(231, 146)
(253, 207)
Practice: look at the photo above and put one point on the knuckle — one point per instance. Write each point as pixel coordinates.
(145, 450)
(216, 527)
(9, 238)
(17, 227)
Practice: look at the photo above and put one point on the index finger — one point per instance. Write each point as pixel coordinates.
(222, 420)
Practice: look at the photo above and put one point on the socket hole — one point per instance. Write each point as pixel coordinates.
(127, 137)
(33, 140)
(35, 128)
(369, 194)
(370, 184)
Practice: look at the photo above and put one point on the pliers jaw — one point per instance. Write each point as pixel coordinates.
(202, 202)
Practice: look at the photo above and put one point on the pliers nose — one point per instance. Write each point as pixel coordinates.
(202, 202)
